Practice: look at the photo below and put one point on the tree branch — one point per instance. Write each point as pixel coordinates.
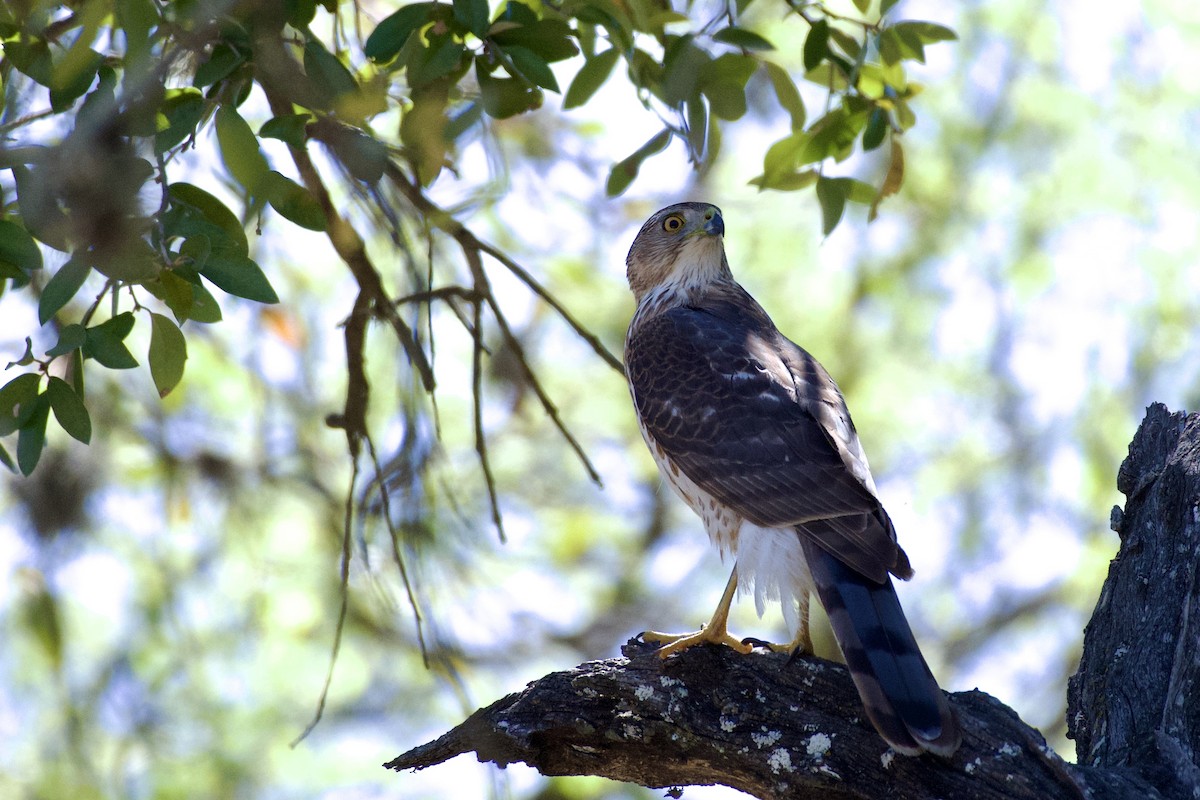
(776, 728)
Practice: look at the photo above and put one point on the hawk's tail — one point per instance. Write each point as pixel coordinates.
(902, 699)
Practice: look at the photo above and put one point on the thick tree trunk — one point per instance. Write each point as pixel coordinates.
(775, 728)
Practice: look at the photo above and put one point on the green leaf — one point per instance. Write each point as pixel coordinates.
(289, 128)
(723, 81)
(816, 44)
(364, 156)
(787, 94)
(105, 342)
(929, 32)
(390, 35)
(220, 65)
(863, 6)
(549, 38)
(69, 410)
(472, 15)
(831, 194)
(32, 436)
(326, 71)
(892, 181)
(849, 45)
(885, 6)
(16, 398)
(72, 80)
(239, 149)
(212, 211)
(506, 97)
(72, 337)
(7, 460)
(590, 78)
(205, 307)
(18, 248)
(239, 276)
(532, 66)
(787, 182)
(781, 160)
(876, 129)
(740, 37)
(442, 56)
(168, 353)
(623, 172)
(697, 128)
(180, 113)
(293, 201)
(26, 358)
(32, 57)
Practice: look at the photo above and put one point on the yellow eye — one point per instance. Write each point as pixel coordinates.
(672, 223)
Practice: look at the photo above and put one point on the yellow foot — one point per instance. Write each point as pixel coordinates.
(801, 644)
(678, 642)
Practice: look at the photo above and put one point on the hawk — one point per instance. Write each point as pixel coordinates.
(754, 435)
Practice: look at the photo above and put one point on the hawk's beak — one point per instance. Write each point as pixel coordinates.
(715, 226)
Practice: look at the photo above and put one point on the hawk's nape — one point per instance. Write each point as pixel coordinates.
(754, 435)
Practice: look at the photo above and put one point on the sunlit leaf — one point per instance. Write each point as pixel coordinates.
(239, 149)
(168, 353)
(292, 201)
(787, 94)
(623, 172)
(590, 78)
(69, 410)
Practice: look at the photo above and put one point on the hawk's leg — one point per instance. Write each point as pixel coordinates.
(800, 643)
(715, 632)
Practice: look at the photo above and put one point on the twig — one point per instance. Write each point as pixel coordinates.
(480, 439)
(347, 525)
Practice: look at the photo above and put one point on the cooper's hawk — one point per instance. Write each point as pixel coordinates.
(755, 437)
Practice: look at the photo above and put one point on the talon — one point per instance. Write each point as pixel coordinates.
(678, 642)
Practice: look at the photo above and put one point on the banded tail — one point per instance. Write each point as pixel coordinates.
(901, 697)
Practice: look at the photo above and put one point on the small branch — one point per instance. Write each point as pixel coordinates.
(477, 404)
(467, 240)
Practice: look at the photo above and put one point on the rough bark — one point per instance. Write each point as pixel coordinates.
(776, 728)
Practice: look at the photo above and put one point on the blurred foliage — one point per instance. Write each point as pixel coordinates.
(173, 169)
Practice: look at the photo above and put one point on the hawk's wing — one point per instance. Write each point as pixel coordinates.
(757, 423)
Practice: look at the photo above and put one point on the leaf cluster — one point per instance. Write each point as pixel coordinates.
(132, 84)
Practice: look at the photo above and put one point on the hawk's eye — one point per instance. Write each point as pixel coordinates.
(672, 223)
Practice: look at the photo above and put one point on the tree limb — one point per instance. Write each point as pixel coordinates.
(776, 728)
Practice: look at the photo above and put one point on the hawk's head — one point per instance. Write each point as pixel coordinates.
(679, 248)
